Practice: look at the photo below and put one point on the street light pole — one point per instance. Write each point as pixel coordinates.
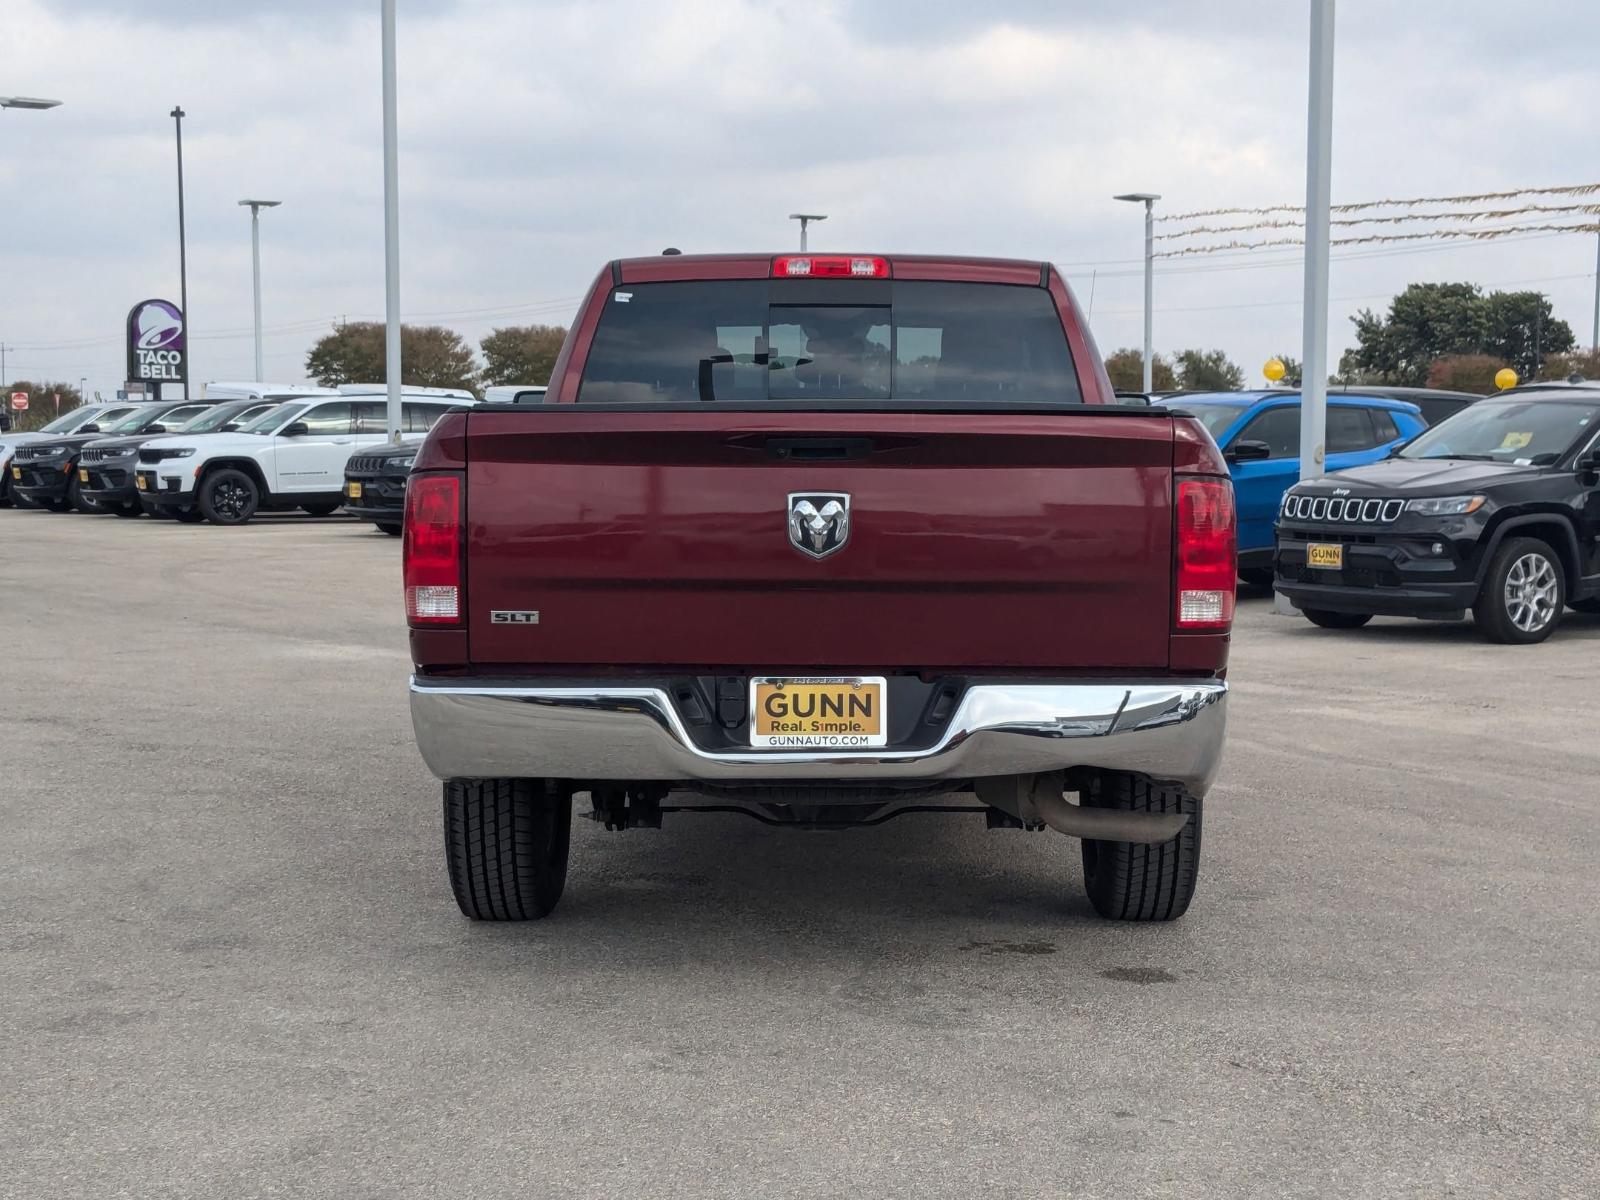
(805, 219)
(177, 115)
(391, 225)
(1594, 337)
(1148, 199)
(255, 207)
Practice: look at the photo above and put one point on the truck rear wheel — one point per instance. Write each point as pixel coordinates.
(1128, 881)
(1523, 593)
(506, 842)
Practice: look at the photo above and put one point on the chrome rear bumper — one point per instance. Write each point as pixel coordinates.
(1169, 730)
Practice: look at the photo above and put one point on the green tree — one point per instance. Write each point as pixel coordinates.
(1465, 373)
(1126, 368)
(42, 408)
(1429, 321)
(1523, 332)
(1207, 371)
(521, 353)
(430, 356)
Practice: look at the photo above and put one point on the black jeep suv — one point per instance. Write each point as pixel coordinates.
(375, 484)
(48, 473)
(1496, 509)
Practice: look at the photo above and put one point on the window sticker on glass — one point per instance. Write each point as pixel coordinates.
(1515, 440)
(622, 297)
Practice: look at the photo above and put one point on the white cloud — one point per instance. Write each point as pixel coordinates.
(541, 139)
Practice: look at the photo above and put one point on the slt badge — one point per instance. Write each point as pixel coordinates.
(819, 522)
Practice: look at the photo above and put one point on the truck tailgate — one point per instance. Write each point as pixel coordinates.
(980, 541)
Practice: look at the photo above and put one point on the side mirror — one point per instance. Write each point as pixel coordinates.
(228, 427)
(156, 428)
(91, 427)
(294, 429)
(1248, 452)
(1589, 465)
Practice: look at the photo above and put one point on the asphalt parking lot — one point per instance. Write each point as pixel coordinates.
(230, 964)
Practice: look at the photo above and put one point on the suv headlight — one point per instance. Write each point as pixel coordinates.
(1445, 506)
(405, 463)
(186, 452)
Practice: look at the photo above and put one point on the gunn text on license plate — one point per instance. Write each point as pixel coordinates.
(819, 714)
(1323, 554)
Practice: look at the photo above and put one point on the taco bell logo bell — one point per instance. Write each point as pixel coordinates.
(155, 342)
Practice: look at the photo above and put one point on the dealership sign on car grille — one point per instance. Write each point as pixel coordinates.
(156, 342)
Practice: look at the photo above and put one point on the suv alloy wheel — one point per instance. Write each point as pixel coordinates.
(1523, 593)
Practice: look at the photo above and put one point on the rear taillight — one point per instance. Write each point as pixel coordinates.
(1207, 554)
(831, 266)
(432, 568)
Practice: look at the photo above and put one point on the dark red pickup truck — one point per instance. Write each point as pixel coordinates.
(823, 539)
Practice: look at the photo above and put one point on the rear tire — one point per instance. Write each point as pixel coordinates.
(392, 528)
(1523, 592)
(129, 510)
(1335, 620)
(1128, 881)
(1256, 577)
(506, 844)
(188, 516)
(320, 510)
(228, 497)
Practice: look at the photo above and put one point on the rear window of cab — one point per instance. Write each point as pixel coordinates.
(800, 340)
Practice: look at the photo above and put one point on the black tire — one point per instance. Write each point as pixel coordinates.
(1256, 577)
(188, 516)
(392, 528)
(228, 497)
(1127, 881)
(506, 842)
(129, 510)
(1335, 620)
(1523, 593)
(320, 510)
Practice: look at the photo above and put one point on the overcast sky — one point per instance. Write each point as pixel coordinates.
(539, 139)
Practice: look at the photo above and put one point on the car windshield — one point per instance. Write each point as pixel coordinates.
(269, 421)
(215, 419)
(1523, 432)
(136, 420)
(1215, 416)
(68, 421)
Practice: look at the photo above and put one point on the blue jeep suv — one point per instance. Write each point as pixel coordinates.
(1259, 433)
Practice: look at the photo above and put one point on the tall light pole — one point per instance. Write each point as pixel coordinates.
(1148, 199)
(1594, 338)
(255, 207)
(177, 115)
(33, 102)
(806, 219)
(1319, 173)
(391, 225)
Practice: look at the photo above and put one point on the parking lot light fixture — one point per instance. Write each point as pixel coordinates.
(255, 207)
(806, 219)
(29, 102)
(1148, 199)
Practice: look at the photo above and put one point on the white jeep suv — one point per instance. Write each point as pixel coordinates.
(292, 457)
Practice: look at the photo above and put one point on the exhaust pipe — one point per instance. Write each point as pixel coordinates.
(1034, 799)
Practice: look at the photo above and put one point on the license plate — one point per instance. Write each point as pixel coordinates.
(142, 482)
(1322, 554)
(819, 714)
(83, 476)
(16, 472)
(353, 491)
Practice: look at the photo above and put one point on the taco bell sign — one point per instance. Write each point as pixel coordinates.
(156, 346)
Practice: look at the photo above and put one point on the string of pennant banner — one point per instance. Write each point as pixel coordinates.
(1366, 213)
(1475, 235)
